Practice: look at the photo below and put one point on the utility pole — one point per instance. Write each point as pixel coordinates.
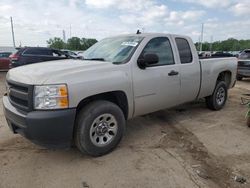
(13, 35)
(70, 30)
(64, 36)
(202, 30)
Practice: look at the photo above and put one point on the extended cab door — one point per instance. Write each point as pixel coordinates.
(189, 68)
(157, 86)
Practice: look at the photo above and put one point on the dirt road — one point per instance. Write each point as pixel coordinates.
(188, 146)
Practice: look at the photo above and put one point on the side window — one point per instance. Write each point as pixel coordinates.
(184, 50)
(38, 51)
(46, 52)
(160, 46)
(5, 55)
(32, 51)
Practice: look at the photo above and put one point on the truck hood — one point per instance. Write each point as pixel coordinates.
(39, 73)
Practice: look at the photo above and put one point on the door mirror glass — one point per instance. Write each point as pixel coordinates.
(147, 60)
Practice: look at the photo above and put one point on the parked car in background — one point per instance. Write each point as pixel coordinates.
(244, 65)
(80, 54)
(29, 55)
(204, 54)
(222, 54)
(71, 54)
(4, 60)
(235, 53)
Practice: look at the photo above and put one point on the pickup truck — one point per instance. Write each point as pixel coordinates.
(243, 65)
(86, 102)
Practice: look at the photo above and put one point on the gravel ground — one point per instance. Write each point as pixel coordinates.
(188, 146)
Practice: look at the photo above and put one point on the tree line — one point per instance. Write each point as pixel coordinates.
(230, 44)
(81, 44)
(73, 43)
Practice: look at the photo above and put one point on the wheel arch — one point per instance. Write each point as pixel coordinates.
(225, 76)
(117, 97)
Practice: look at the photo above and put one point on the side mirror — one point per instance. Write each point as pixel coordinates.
(147, 60)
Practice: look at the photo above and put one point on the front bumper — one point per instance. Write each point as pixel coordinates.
(244, 72)
(52, 129)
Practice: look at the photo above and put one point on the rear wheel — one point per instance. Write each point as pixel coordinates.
(100, 127)
(219, 97)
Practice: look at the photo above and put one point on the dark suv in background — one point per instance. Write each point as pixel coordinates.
(28, 55)
(244, 65)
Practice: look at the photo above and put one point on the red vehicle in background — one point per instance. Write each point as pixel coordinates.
(4, 60)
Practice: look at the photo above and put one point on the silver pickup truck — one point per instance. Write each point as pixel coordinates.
(87, 102)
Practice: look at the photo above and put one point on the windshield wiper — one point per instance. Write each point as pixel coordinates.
(95, 59)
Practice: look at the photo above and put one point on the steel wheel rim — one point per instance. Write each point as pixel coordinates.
(103, 130)
(220, 96)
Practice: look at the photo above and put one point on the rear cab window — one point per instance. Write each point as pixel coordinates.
(184, 50)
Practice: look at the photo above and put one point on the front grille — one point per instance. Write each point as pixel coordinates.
(244, 63)
(20, 95)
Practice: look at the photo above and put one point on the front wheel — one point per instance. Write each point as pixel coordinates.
(218, 99)
(100, 127)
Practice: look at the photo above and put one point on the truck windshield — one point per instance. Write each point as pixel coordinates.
(116, 49)
(245, 55)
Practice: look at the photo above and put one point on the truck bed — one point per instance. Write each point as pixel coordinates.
(211, 67)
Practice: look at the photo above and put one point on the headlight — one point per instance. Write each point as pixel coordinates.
(51, 97)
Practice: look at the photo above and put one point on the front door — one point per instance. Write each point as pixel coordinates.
(158, 86)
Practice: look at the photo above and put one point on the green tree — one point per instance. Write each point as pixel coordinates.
(74, 43)
(230, 44)
(56, 43)
(86, 43)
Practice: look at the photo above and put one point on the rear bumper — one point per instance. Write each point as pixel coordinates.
(52, 129)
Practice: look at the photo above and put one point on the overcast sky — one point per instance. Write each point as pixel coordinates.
(35, 21)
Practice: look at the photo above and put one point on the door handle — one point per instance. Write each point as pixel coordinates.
(173, 73)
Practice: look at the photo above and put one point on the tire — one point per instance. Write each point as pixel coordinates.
(219, 97)
(248, 121)
(99, 128)
(239, 78)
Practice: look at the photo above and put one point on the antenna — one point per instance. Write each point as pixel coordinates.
(70, 30)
